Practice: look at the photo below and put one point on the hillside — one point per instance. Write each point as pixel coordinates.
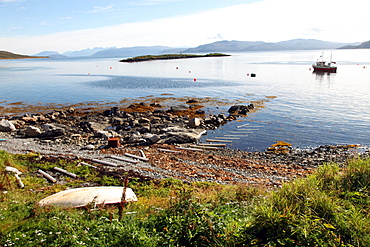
(225, 45)
(9, 55)
(363, 45)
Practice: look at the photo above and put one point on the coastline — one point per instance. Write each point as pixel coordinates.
(165, 135)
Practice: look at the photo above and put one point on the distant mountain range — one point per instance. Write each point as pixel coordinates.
(219, 46)
(86, 52)
(131, 51)
(245, 46)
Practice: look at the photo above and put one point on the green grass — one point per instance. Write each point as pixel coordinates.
(328, 208)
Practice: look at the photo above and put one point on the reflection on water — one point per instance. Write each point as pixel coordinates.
(324, 77)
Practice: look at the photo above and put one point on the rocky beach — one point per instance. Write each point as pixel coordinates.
(156, 139)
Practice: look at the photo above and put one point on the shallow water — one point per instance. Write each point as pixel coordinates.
(307, 109)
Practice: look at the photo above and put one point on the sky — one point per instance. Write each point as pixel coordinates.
(33, 26)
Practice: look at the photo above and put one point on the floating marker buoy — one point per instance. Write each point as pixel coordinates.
(195, 79)
(248, 74)
(177, 67)
(189, 71)
(110, 67)
(309, 69)
(88, 73)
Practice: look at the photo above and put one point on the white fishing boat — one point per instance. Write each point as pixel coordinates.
(323, 66)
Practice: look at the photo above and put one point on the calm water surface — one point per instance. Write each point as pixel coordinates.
(307, 109)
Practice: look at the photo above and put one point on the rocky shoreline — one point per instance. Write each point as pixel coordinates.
(159, 138)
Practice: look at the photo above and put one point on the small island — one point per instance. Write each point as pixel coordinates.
(170, 56)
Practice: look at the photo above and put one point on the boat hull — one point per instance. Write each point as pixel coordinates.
(80, 197)
(328, 69)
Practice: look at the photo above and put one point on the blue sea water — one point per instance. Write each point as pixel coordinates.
(301, 107)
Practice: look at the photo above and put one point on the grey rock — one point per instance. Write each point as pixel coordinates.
(52, 130)
(105, 134)
(90, 147)
(179, 108)
(154, 139)
(194, 122)
(32, 131)
(179, 134)
(144, 128)
(7, 126)
(136, 137)
(47, 127)
(151, 137)
(94, 126)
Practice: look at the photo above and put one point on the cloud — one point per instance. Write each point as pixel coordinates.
(66, 18)
(45, 23)
(14, 28)
(154, 2)
(8, 1)
(99, 9)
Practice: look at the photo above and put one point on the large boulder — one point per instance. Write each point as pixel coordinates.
(240, 109)
(178, 134)
(53, 130)
(179, 108)
(152, 138)
(32, 131)
(7, 126)
(95, 126)
(105, 134)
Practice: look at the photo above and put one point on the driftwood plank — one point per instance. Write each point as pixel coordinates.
(227, 138)
(190, 149)
(211, 140)
(123, 159)
(47, 176)
(87, 164)
(168, 150)
(136, 157)
(202, 147)
(19, 181)
(104, 162)
(212, 144)
(65, 172)
(142, 154)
